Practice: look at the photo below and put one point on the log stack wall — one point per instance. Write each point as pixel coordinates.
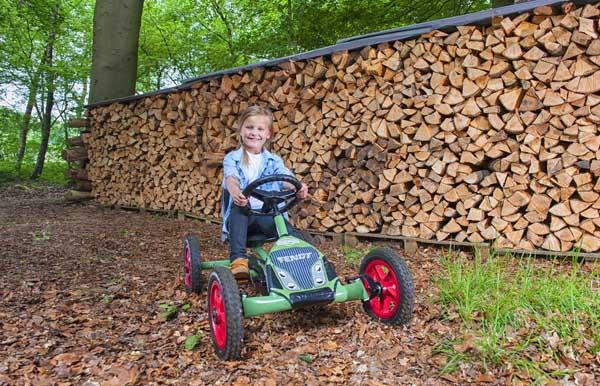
(484, 134)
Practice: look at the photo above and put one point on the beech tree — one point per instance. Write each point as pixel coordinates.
(49, 80)
(115, 48)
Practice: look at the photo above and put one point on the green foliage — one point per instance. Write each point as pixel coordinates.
(285, 27)
(28, 29)
(54, 167)
(42, 235)
(169, 312)
(54, 173)
(307, 358)
(192, 341)
(185, 38)
(9, 133)
(23, 41)
(454, 358)
(351, 254)
(513, 306)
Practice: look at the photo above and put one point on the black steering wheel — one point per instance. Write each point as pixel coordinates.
(272, 199)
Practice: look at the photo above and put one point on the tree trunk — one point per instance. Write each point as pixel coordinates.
(290, 21)
(114, 49)
(229, 39)
(66, 133)
(24, 129)
(47, 114)
(81, 100)
(159, 78)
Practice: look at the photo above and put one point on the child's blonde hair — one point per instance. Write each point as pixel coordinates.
(254, 111)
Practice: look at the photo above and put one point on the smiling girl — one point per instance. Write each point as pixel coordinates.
(240, 167)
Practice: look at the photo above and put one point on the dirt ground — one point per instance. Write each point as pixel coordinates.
(80, 294)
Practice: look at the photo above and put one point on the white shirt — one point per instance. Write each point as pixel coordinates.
(251, 170)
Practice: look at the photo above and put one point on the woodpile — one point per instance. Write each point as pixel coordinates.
(485, 134)
(77, 157)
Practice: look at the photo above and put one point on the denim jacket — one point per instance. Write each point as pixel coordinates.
(232, 166)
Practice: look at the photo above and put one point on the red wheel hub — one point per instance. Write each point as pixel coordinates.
(218, 315)
(384, 304)
(188, 266)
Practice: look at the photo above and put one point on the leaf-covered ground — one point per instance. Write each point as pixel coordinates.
(81, 289)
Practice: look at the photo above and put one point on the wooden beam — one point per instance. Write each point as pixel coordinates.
(78, 153)
(76, 174)
(74, 195)
(75, 141)
(78, 123)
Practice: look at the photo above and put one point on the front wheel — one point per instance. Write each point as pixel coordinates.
(225, 314)
(390, 286)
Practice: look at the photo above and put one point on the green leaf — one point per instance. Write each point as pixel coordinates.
(192, 341)
(186, 307)
(169, 313)
(306, 358)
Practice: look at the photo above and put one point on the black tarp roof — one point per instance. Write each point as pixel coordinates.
(402, 33)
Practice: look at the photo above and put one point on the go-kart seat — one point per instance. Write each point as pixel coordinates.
(258, 240)
(253, 240)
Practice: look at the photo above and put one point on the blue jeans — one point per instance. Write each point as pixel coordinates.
(241, 225)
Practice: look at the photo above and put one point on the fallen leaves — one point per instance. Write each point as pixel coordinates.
(391, 353)
(84, 307)
(329, 345)
(120, 376)
(67, 358)
(467, 345)
(485, 378)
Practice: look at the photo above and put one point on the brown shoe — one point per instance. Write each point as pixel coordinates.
(239, 268)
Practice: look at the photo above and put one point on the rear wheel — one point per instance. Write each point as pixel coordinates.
(225, 314)
(389, 284)
(192, 272)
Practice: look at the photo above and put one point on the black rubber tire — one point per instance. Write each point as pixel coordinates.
(234, 314)
(403, 313)
(305, 236)
(196, 282)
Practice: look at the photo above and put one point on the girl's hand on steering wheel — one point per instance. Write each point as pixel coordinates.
(240, 200)
(303, 192)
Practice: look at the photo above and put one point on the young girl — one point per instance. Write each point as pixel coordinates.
(240, 168)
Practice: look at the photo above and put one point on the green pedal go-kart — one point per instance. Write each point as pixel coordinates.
(291, 275)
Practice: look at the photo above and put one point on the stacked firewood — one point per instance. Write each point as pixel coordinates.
(485, 134)
(76, 155)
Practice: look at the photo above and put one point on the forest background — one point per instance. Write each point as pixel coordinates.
(46, 47)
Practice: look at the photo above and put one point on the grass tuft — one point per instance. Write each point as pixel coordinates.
(523, 311)
(351, 254)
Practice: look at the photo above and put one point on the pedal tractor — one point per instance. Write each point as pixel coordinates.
(291, 275)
